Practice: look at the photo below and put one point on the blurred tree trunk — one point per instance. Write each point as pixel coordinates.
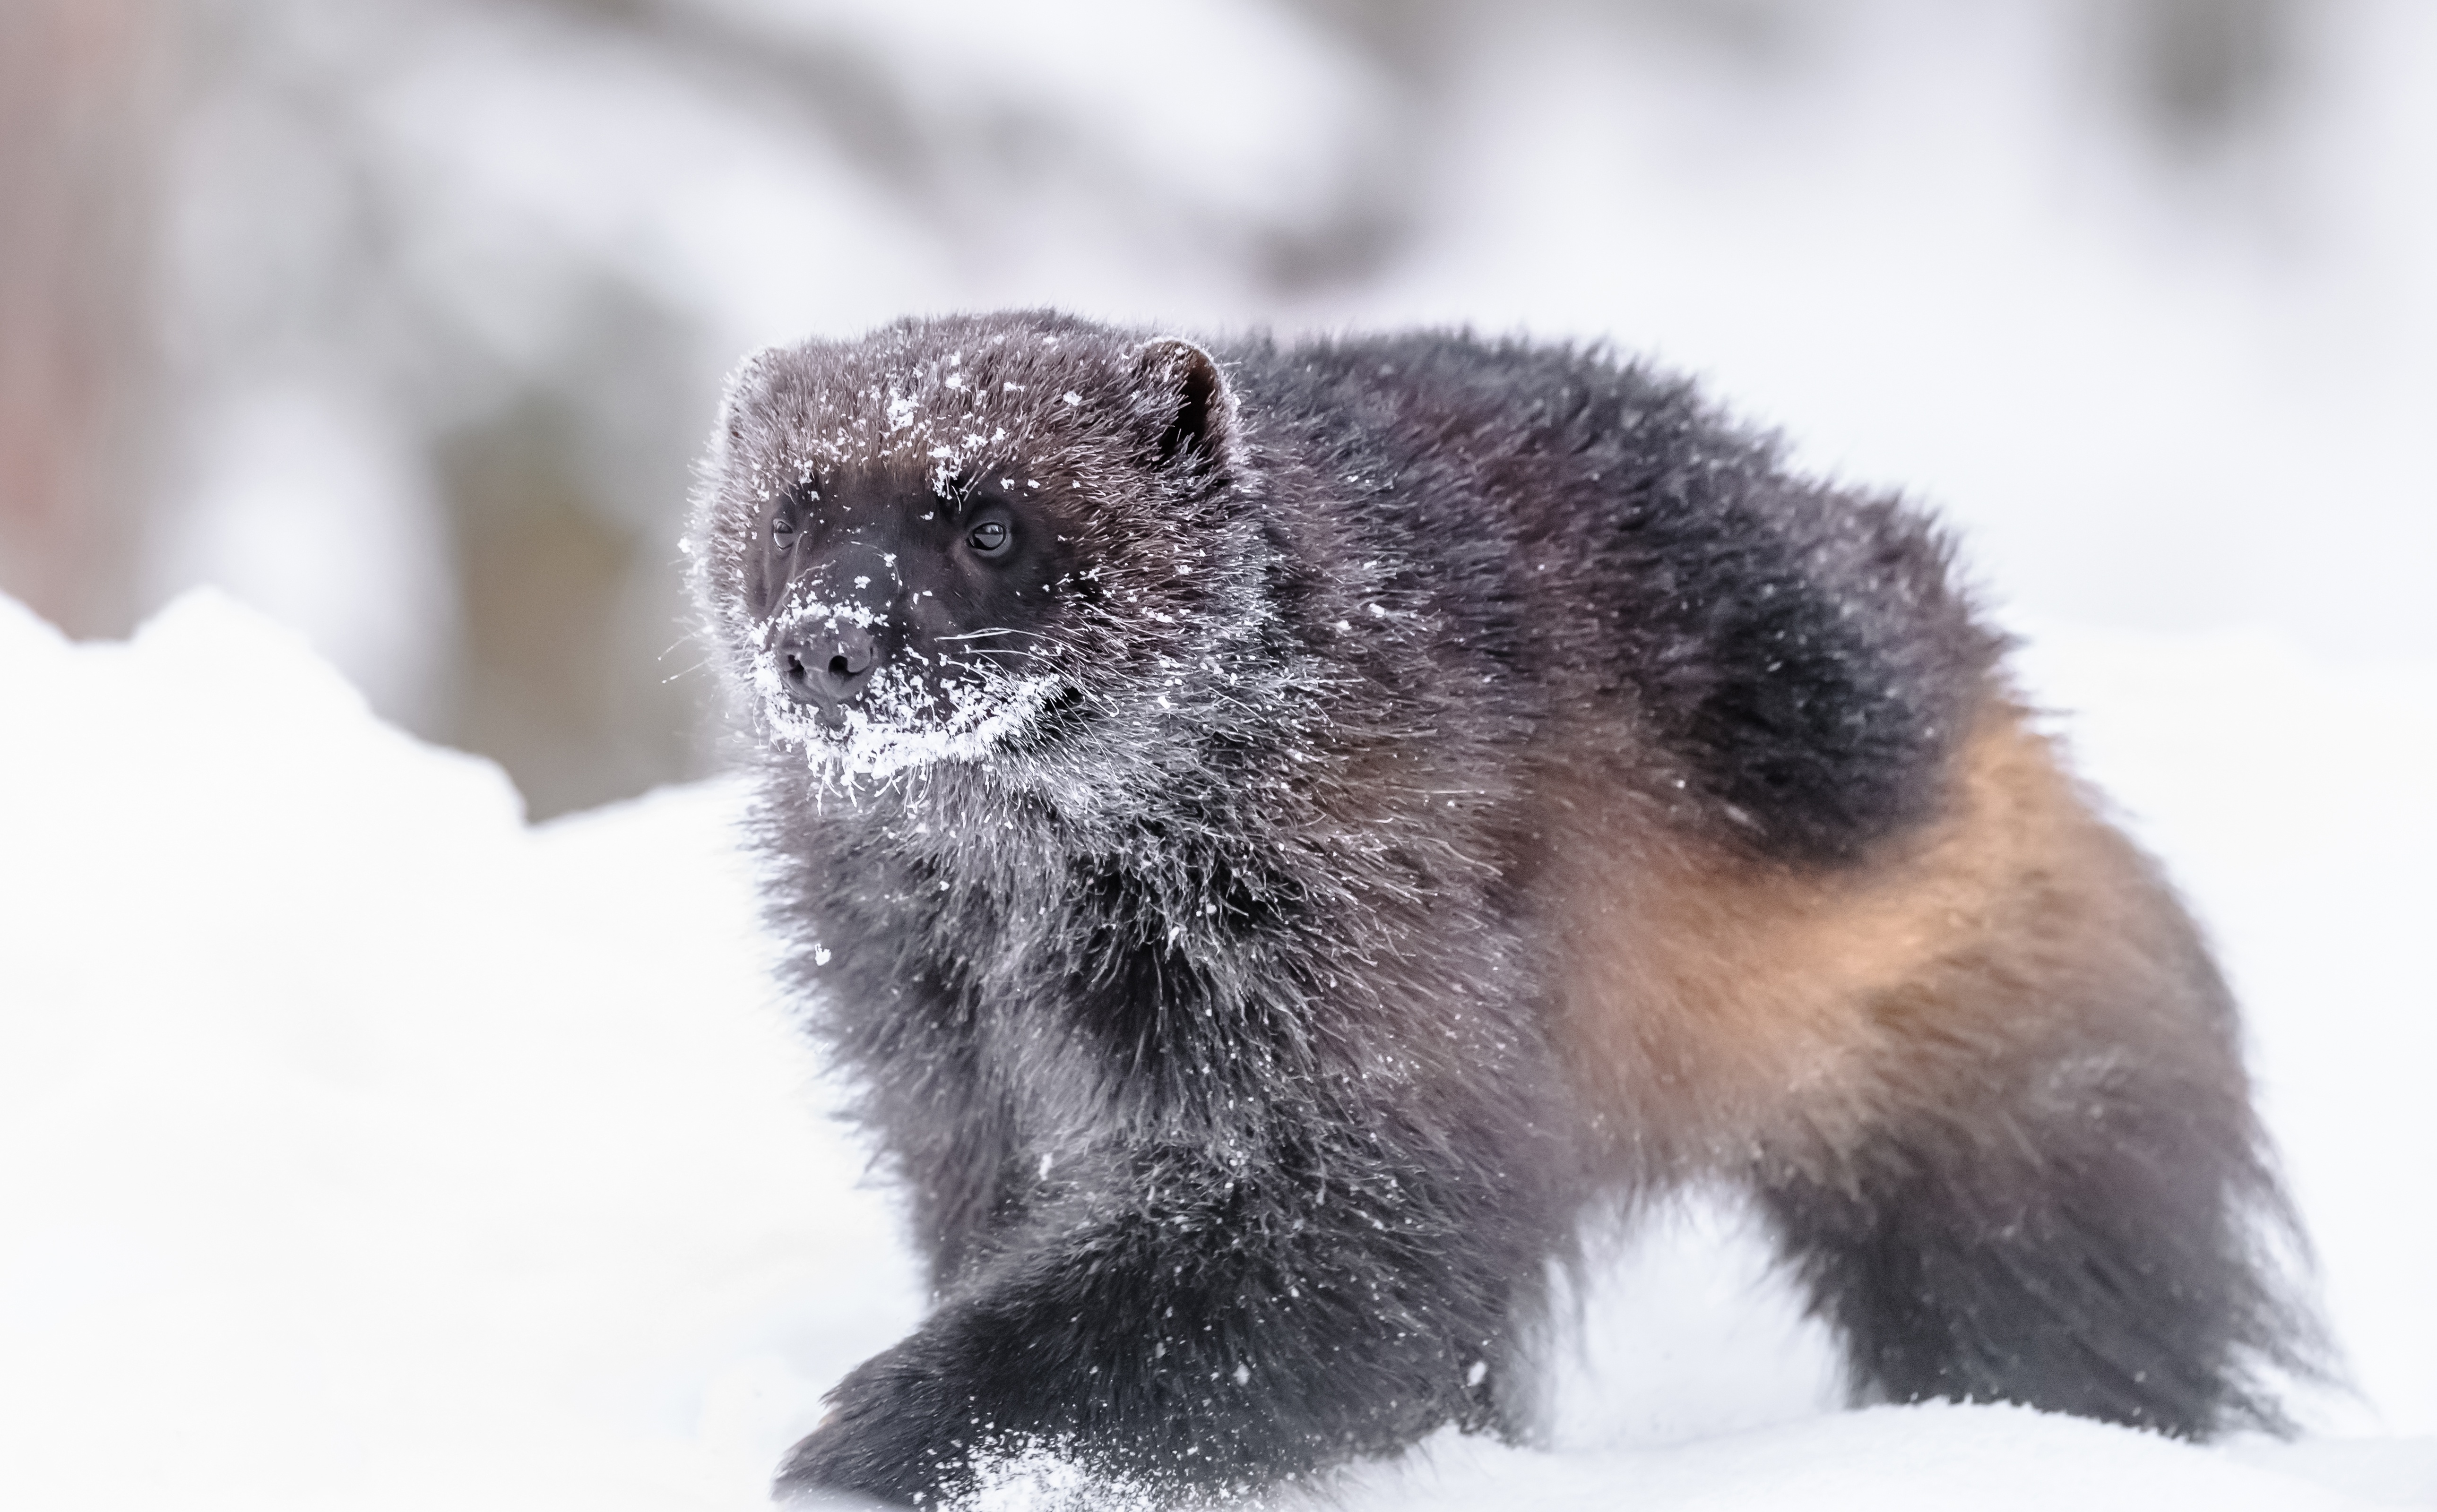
(83, 112)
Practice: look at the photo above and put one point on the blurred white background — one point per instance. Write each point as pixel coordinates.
(392, 1154)
(402, 319)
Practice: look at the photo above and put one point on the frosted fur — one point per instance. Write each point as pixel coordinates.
(938, 420)
(1202, 786)
(902, 722)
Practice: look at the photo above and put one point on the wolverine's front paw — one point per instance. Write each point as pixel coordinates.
(883, 1441)
(855, 1464)
(832, 1462)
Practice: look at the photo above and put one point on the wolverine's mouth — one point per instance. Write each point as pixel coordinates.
(904, 718)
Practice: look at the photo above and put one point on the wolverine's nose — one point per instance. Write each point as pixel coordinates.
(828, 665)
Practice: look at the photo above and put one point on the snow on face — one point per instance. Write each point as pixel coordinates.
(930, 414)
(959, 712)
(901, 723)
(894, 448)
(890, 451)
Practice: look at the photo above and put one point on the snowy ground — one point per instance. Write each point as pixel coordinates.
(363, 1148)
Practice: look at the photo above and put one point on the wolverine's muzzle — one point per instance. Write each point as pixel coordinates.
(848, 621)
(827, 664)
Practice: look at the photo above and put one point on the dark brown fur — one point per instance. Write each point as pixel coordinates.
(1280, 835)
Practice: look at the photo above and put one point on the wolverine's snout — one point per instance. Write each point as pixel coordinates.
(827, 664)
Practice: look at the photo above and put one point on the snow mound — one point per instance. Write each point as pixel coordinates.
(365, 1148)
(1929, 1458)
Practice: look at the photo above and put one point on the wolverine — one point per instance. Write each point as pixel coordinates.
(1278, 834)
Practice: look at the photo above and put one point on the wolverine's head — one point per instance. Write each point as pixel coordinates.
(899, 617)
(958, 539)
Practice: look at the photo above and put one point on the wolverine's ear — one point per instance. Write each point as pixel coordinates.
(1193, 396)
(746, 384)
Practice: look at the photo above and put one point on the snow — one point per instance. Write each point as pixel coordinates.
(365, 1147)
(958, 711)
(1885, 1459)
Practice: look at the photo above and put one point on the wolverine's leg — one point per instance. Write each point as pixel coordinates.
(1211, 1316)
(2063, 1219)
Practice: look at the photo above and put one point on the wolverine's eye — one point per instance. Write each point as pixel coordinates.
(989, 538)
